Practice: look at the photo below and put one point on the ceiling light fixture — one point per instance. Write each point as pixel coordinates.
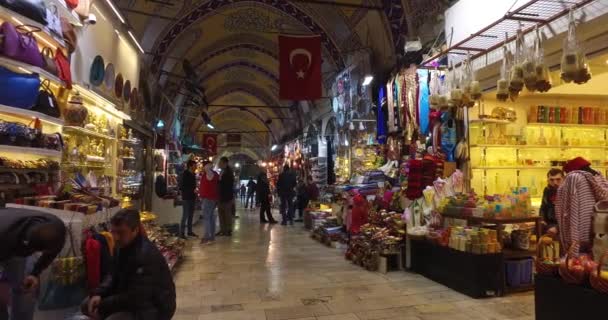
(210, 126)
(116, 11)
(237, 165)
(274, 147)
(160, 124)
(136, 43)
(367, 80)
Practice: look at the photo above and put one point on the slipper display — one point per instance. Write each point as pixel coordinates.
(109, 76)
(126, 91)
(118, 85)
(97, 73)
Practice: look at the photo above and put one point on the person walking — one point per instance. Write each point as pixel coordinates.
(301, 199)
(208, 192)
(140, 285)
(188, 187)
(23, 233)
(226, 198)
(243, 192)
(251, 186)
(263, 197)
(285, 188)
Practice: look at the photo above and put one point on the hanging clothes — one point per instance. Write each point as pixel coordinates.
(331, 173)
(396, 104)
(390, 106)
(380, 118)
(423, 102)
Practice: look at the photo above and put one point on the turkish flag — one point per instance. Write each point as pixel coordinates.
(300, 67)
(210, 142)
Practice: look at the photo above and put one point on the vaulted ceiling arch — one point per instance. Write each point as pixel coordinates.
(205, 9)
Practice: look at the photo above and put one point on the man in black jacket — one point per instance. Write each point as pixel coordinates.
(188, 188)
(263, 194)
(140, 286)
(22, 233)
(286, 190)
(226, 201)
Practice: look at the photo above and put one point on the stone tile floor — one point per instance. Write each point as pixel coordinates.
(269, 272)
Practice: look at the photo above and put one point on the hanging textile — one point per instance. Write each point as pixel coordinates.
(397, 102)
(390, 104)
(331, 173)
(380, 118)
(424, 106)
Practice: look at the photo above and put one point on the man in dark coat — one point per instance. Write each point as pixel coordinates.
(188, 188)
(286, 190)
(251, 189)
(22, 233)
(263, 197)
(140, 286)
(225, 204)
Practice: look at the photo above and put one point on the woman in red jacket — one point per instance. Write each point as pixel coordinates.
(209, 194)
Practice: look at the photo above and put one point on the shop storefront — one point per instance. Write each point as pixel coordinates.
(73, 135)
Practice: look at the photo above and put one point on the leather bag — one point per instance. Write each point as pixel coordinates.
(48, 58)
(17, 89)
(69, 34)
(63, 68)
(75, 113)
(19, 44)
(46, 102)
(33, 9)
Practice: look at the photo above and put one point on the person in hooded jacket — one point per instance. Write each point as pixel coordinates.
(23, 233)
(263, 197)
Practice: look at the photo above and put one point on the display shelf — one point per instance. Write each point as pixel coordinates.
(88, 132)
(31, 151)
(524, 167)
(99, 101)
(24, 67)
(86, 165)
(129, 158)
(25, 170)
(131, 141)
(29, 114)
(525, 146)
(494, 121)
(568, 125)
(66, 12)
(46, 37)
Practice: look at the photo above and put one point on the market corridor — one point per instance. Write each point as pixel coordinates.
(275, 273)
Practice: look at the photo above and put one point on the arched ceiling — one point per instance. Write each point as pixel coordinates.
(233, 46)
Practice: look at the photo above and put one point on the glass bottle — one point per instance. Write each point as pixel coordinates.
(574, 115)
(551, 118)
(557, 116)
(565, 115)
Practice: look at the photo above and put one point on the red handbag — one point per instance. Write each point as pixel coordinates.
(72, 4)
(63, 68)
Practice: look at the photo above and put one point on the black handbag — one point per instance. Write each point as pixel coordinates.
(33, 9)
(46, 102)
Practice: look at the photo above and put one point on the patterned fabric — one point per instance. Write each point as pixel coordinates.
(391, 106)
(574, 206)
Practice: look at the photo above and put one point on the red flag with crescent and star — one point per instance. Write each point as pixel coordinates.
(300, 67)
(210, 142)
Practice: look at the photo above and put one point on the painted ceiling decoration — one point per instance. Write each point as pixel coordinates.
(241, 64)
(236, 47)
(212, 6)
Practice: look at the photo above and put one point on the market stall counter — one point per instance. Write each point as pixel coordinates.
(554, 299)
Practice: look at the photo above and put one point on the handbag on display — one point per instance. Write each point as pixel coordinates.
(48, 57)
(66, 286)
(33, 9)
(75, 113)
(18, 89)
(19, 44)
(46, 102)
(69, 34)
(53, 141)
(63, 68)
(53, 20)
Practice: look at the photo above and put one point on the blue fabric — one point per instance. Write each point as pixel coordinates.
(287, 209)
(18, 90)
(208, 207)
(185, 227)
(23, 304)
(381, 121)
(424, 105)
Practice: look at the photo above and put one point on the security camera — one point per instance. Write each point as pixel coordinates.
(92, 19)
